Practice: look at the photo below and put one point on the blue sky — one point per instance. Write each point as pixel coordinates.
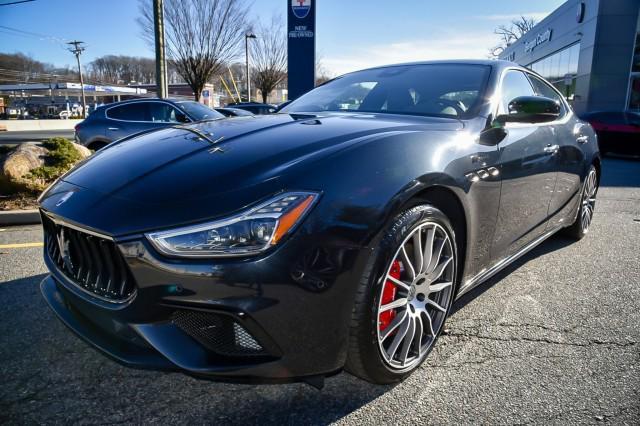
(351, 34)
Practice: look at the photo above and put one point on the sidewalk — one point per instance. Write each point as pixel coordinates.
(31, 125)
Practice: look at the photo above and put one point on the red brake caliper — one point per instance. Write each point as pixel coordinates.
(388, 296)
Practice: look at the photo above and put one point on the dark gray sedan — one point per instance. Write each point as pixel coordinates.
(334, 234)
(115, 121)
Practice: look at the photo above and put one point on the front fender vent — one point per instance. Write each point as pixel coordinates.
(219, 333)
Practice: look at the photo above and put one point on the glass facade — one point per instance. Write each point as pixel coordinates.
(560, 69)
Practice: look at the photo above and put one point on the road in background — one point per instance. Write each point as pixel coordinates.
(10, 138)
(552, 339)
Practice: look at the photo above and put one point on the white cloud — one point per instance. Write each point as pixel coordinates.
(454, 46)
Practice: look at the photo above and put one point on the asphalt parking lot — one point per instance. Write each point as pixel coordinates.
(553, 339)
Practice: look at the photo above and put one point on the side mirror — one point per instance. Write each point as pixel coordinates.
(182, 118)
(531, 109)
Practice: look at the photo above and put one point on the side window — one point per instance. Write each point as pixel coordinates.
(543, 89)
(129, 112)
(514, 84)
(160, 112)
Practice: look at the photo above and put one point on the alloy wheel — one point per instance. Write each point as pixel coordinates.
(588, 200)
(415, 296)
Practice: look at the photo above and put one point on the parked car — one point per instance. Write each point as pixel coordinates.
(234, 112)
(118, 120)
(617, 131)
(255, 108)
(293, 245)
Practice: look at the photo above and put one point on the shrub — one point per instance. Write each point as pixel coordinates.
(62, 156)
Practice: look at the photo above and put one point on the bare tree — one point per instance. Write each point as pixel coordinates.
(119, 69)
(20, 68)
(269, 57)
(201, 35)
(322, 75)
(510, 33)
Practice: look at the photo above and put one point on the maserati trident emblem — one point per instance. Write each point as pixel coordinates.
(301, 8)
(63, 245)
(64, 198)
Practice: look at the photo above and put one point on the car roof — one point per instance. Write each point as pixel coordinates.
(239, 104)
(494, 63)
(137, 100)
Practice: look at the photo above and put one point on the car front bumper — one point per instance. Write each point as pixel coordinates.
(294, 302)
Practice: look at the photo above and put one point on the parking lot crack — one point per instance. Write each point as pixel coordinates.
(545, 340)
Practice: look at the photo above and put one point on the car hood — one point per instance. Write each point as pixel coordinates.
(174, 176)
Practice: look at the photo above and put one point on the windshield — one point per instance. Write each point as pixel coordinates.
(198, 111)
(446, 90)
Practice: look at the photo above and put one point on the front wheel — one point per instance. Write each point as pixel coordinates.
(580, 227)
(404, 297)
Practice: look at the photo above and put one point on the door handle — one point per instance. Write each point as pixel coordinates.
(582, 139)
(113, 128)
(551, 149)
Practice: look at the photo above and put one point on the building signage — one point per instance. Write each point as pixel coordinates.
(301, 46)
(538, 40)
(301, 8)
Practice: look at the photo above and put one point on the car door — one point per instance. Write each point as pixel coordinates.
(527, 166)
(569, 138)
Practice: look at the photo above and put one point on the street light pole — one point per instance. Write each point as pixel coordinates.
(162, 89)
(247, 36)
(77, 50)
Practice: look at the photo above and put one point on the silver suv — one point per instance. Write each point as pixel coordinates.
(115, 121)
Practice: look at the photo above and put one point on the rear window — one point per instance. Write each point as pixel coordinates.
(198, 111)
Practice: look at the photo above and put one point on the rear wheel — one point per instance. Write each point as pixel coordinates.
(580, 227)
(404, 297)
(95, 146)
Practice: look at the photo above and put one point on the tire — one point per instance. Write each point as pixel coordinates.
(426, 285)
(95, 146)
(580, 227)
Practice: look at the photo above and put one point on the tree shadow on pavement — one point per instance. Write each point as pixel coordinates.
(51, 376)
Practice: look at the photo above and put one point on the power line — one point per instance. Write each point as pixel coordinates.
(15, 2)
(32, 34)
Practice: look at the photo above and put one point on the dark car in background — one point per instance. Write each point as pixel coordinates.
(335, 234)
(618, 131)
(234, 112)
(114, 121)
(255, 108)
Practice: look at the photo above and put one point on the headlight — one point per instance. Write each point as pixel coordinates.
(247, 233)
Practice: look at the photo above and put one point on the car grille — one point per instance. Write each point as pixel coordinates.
(92, 263)
(218, 333)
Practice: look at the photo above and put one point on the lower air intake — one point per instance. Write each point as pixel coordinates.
(218, 333)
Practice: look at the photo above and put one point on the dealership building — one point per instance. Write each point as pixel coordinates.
(590, 50)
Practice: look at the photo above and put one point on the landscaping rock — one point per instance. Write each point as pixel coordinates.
(18, 167)
(22, 160)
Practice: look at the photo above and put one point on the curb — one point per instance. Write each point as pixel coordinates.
(19, 217)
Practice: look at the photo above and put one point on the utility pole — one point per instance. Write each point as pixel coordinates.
(247, 36)
(77, 50)
(162, 89)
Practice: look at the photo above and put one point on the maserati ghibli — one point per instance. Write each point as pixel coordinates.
(335, 234)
